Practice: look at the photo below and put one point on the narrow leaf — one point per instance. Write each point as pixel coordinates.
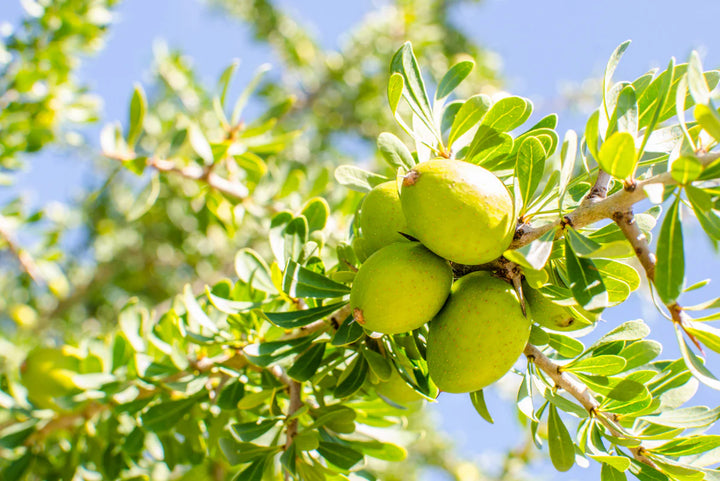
(307, 363)
(138, 107)
(529, 168)
(478, 401)
(453, 77)
(670, 267)
(358, 179)
(562, 449)
(586, 283)
(395, 152)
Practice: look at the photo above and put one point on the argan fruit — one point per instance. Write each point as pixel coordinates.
(554, 316)
(47, 374)
(397, 390)
(381, 218)
(460, 211)
(477, 336)
(399, 288)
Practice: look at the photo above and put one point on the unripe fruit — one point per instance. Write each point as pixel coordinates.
(381, 218)
(553, 316)
(477, 336)
(47, 373)
(397, 390)
(460, 211)
(400, 288)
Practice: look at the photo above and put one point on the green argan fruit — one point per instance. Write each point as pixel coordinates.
(47, 374)
(477, 336)
(397, 390)
(553, 316)
(399, 288)
(460, 211)
(381, 218)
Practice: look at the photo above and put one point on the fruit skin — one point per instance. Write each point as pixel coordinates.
(400, 288)
(381, 218)
(550, 315)
(397, 390)
(460, 211)
(478, 335)
(47, 374)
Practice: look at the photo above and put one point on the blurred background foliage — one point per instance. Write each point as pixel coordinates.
(67, 269)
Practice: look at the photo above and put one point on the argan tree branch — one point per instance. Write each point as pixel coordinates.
(594, 209)
(579, 391)
(192, 172)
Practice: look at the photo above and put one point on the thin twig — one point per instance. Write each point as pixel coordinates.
(580, 392)
(25, 259)
(193, 172)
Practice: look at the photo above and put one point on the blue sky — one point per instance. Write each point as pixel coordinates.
(543, 45)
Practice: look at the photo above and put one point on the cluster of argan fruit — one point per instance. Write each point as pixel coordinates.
(462, 214)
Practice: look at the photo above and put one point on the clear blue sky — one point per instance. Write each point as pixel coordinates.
(543, 45)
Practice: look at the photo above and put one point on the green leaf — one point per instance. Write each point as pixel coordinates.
(404, 63)
(307, 363)
(348, 332)
(709, 120)
(264, 354)
(626, 111)
(507, 114)
(145, 199)
(395, 152)
(686, 169)
(529, 168)
(302, 317)
(534, 255)
(696, 80)
(449, 113)
(565, 346)
(14, 435)
(689, 445)
(358, 179)
(379, 450)
(627, 331)
(341, 456)
(164, 416)
(662, 90)
(701, 203)
(299, 281)
(395, 88)
(241, 453)
(453, 77)
(708, 335)
(249, 431)
(316, 212)
(471, 112)
(231, 395)
(568, 154)
(242, 100)
(487, 145)
(200, 144)
(617, 155)
(670, 266)
(609, 473)
(478, 401)
(640, 353)
(225, 78)
(17, 468)
(379, 364)
(252, 269)
(352, 379)
(609, 71)
(138, 107)
(586, 283)
(687, 418)
(619, 463)
(195, 312)
(614, 388)
(560, 444)
(581, 245)
(599, 365)
(592, 134)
